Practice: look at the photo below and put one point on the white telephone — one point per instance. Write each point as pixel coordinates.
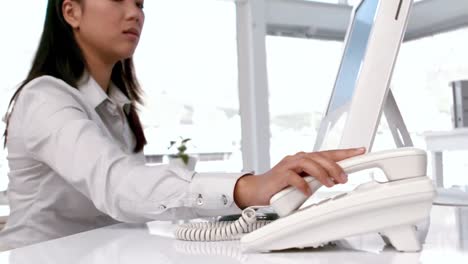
(390, 208)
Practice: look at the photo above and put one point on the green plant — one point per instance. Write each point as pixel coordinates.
(181, 148)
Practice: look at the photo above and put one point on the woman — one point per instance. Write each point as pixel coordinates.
(75, 141)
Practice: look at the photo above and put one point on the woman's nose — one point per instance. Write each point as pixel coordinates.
(134, 12)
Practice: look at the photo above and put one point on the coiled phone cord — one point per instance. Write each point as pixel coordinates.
(221, 231)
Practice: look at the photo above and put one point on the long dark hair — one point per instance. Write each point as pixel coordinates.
(59, 56)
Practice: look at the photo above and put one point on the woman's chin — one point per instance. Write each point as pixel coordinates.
(126, 55)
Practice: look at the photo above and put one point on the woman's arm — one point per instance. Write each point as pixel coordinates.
(58, 131)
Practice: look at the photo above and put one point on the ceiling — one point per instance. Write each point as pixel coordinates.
(328, 19)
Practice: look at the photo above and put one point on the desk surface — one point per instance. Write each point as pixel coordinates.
(446, 242)
(455, 139)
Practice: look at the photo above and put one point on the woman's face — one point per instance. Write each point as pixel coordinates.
(110, 29)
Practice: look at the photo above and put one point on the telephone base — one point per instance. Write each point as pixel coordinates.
(402, 238)
(392, 209)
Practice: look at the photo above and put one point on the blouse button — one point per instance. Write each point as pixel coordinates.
(200, 200)
(225, 200)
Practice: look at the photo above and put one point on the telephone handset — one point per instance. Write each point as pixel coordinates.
(397, 164)
(392, 208)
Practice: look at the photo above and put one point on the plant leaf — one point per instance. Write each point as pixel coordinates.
(182, 148)
(172, 143)
(185, 158)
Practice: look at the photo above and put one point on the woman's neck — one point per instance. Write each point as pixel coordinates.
(98, 67)
(100, 71)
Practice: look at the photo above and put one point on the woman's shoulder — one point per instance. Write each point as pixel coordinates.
(48, 88)
(47, 82)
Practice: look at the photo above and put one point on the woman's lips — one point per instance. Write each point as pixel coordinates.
(132, 33)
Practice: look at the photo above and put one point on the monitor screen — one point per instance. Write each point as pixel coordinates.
(354, 53)
(330, 133)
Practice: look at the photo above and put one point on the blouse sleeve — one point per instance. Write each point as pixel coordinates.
(58, 131)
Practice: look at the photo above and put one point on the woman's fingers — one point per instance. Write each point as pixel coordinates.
(313, 168)
(333, 170)
(341, 154)
(321, 165)
(297, 181)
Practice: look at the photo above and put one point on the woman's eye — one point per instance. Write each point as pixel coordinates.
(140, 5)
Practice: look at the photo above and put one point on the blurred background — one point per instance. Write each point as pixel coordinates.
(187, 64)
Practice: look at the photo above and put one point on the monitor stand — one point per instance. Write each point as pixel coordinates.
(445, 196)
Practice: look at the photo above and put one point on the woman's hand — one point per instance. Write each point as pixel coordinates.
(258, 189)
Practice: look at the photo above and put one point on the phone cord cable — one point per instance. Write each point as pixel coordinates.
(223, 230)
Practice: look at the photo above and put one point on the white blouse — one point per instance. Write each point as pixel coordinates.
(72, 168)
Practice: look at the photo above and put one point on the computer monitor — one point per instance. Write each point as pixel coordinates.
(372, 43)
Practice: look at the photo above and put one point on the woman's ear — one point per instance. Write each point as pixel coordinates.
(71, 10)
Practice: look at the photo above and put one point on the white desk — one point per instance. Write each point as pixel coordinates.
(447, 242)
(438, 142)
